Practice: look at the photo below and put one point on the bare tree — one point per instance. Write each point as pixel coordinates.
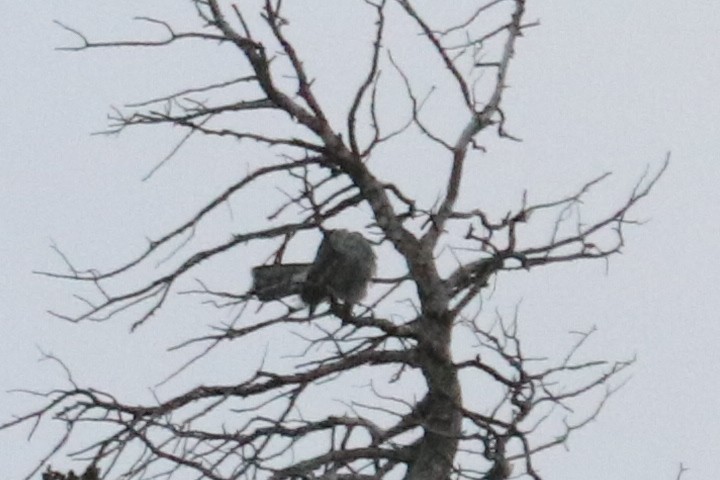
(434, 261)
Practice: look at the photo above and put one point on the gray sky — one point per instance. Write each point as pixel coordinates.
(599, 86)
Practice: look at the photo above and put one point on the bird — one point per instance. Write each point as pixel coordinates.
(343, 267)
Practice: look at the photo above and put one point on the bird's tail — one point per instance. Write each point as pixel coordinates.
(272, 282)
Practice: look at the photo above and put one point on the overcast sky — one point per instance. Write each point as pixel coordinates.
(598, 86)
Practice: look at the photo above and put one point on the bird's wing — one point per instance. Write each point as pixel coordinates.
(321, 272)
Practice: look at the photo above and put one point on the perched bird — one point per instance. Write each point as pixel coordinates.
(343, 267)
